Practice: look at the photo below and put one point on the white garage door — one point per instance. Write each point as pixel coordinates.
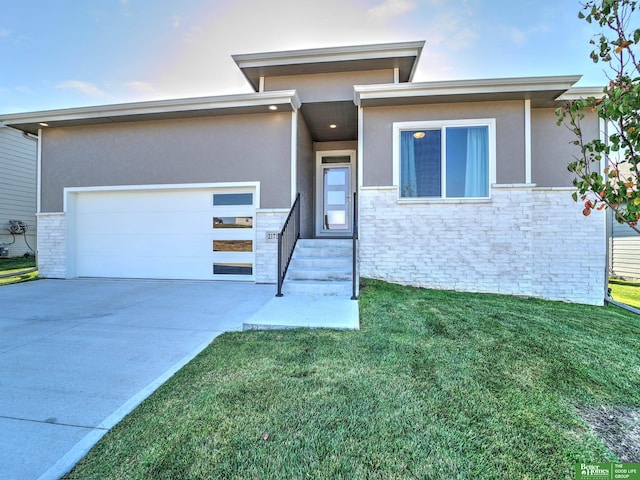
(199, 234)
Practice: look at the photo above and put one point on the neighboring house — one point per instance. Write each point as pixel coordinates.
(17, 192)
(624, 242)
(461, 185)
(624, 251)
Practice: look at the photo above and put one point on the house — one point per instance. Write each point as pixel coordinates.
(460, 185)
(624, 251)
(17, 192)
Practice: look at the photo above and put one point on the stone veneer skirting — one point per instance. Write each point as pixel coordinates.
(267, 251)
(52, 245)
(523, 241)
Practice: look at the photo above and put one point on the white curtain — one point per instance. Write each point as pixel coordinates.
(408, 183)
(476, 183)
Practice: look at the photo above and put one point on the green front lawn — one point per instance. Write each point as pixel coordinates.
(625, 292)
(16, 265)
(437, 385)
(13, 263)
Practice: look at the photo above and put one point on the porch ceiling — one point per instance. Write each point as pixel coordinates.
(344, 115)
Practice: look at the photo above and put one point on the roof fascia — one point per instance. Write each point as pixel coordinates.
(326, 56)
(331, 54)
(158, 106)
(463, 87)
(576, 93)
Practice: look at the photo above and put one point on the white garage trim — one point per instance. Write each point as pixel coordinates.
(160, 187)
(159, 232)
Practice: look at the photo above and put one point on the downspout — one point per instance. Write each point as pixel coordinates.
(34, 138)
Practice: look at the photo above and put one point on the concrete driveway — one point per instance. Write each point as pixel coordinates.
(77, 355)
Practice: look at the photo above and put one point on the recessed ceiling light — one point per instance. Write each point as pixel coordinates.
(419, 135)
(333, 125)
(273, 107)
(42, 124)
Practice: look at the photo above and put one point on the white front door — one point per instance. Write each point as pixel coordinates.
(334, 193)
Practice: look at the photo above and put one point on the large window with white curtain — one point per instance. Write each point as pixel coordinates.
(444, 159)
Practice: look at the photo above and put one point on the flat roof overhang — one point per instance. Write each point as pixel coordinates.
(542, 91)
(402, 55)
(252, 103)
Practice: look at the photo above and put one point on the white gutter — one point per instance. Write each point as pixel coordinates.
(329, 54)
(289, 97)
(463, 87)
(577, 93)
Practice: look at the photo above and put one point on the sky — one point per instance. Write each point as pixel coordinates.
(72, 53)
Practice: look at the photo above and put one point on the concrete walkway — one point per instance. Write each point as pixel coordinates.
(292, 311)
(77, 355)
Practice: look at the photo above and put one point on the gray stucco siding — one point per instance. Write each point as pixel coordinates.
(204, 150)
(327, 87)
(378, 135)
(551, 148)
(305, 177)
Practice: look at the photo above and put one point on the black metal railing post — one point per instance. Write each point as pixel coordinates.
(279, 294)
(354, 293)
(287, 239)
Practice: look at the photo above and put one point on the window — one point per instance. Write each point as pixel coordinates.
(232, 222)
(233, 269)
(233, 233)
(233, 199)
(233, 246)
(444, 159)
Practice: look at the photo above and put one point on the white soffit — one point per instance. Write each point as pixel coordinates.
(286, 101)
(542, 91)
(402, 55)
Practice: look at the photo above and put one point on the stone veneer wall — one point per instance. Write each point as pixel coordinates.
(52, 245)
(523, 241)
(267, 251)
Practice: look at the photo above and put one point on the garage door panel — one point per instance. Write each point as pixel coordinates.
(142, 244)
(144, 201)
(162, 234)
(160, 223)
(181, 268)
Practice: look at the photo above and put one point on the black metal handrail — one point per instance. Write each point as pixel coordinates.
(287, 239)
(354, 293)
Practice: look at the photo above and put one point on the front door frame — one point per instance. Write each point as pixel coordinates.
(320, 231)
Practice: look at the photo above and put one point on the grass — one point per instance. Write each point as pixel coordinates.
(437, 385)
(625, 292)
(16, 265)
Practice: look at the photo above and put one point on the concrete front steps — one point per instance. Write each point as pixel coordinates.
(320, 267)
(317, 290)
